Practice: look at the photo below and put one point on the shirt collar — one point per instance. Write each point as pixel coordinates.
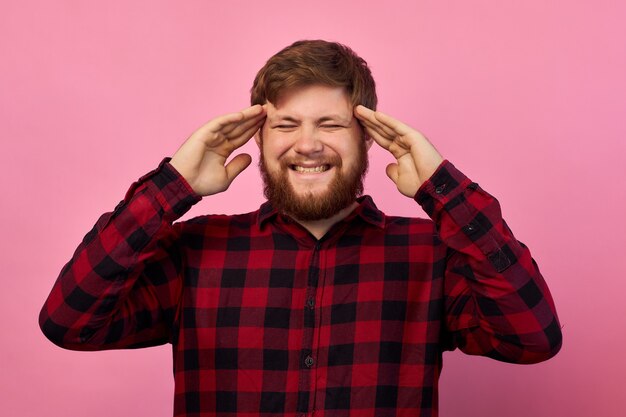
(366, 210)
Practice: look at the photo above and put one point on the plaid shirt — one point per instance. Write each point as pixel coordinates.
(264, 319)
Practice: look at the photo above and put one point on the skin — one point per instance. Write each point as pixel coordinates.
(309, 128)
(296, 129)
(416, 158)
(201, 159)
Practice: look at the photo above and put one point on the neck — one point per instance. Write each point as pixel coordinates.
(318, 228)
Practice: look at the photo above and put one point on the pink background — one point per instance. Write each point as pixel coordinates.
(527, 98)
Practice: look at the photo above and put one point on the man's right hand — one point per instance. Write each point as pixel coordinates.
(201, 160)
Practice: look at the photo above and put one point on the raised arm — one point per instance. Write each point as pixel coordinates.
(497, 304)
(122, 286)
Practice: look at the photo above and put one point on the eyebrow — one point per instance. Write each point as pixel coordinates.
(332, 117)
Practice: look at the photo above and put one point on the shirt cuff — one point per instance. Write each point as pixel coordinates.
(446, 183)
(467, 218)
(168, 187)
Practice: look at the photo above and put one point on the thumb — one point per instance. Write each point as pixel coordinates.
(237, 165)
(392, 172)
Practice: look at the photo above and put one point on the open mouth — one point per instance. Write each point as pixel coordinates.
(318, 168)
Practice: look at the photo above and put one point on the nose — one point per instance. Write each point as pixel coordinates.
(308, 142)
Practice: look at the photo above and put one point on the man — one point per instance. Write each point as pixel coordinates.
(317, 302)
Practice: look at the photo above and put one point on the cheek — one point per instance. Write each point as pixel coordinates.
(348, 147)
(275, 145)
(273, 152)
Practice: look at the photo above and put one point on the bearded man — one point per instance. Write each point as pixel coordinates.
(317, 302)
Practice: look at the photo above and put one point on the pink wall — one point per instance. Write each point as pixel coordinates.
(528, 98)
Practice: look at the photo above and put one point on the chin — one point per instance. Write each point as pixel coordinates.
(312, 192)
(315, 200)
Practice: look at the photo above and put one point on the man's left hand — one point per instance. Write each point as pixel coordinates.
(416, 158)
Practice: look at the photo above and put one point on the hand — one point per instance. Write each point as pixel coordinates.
(201, 160)
(416, 158)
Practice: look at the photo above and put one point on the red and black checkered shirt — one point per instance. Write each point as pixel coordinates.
(264, 319)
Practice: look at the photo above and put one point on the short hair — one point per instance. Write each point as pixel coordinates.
(308, 62)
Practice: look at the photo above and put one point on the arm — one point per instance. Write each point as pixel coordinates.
(122, 286)
(496, 301)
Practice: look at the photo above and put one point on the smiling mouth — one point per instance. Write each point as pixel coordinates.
(319, 168)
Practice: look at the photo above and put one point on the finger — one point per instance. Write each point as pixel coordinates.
(221, 122)
(378, 128)
(370, 118)
(212, 128)
(246, 135)
(386, 123)
(237, 165)
(381, 141)
(240, 127)
(248, 117)
(372, 132)
(362, 112)
(377, 135)
(392, 172)
(234, 128)
(253, 111)
(382, 127)
(390, 124)
(390, 144)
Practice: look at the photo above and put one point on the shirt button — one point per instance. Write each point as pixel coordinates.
(440, 188)
(310, 302)
(309, 361)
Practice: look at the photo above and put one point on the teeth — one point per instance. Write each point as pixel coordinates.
(320, 168)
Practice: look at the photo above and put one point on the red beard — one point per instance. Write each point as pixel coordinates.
(341, 192)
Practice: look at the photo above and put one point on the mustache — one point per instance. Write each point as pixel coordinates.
(333, 160)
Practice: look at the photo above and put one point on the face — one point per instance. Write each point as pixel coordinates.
(313, 152)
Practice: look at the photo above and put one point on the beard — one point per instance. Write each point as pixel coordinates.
(340, 193)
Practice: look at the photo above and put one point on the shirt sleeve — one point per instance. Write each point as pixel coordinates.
(121, 287)
(496, 301)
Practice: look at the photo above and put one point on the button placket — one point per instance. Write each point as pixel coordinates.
(306, 383)
(470, 227)
(309, 361)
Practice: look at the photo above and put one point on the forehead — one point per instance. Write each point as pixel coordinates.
(312, 102)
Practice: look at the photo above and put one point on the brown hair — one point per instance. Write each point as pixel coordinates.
(309, 62)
